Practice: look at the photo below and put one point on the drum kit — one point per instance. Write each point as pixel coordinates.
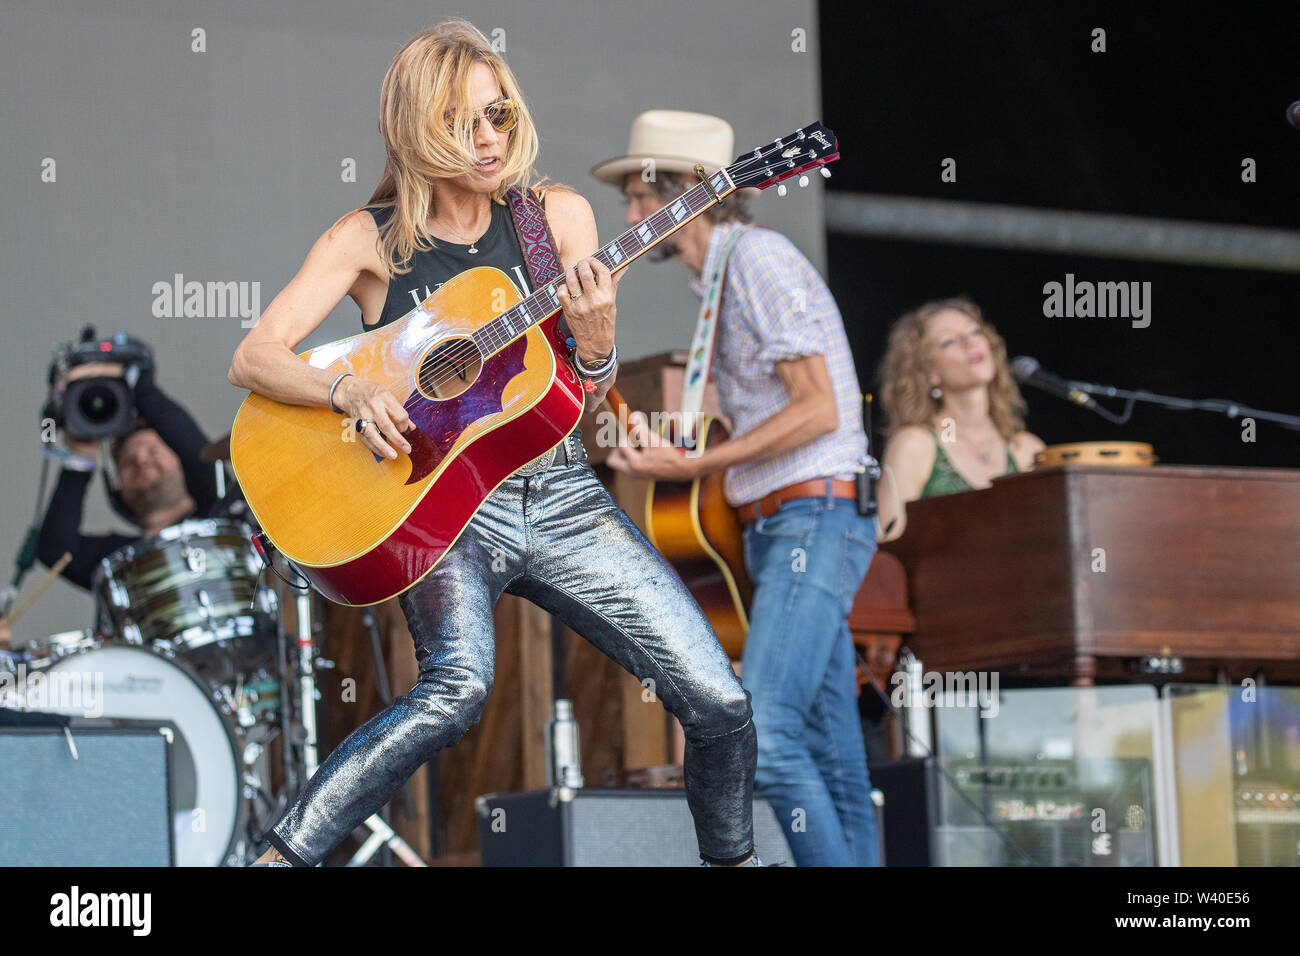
(186, 635)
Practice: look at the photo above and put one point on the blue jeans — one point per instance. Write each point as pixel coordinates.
(807, 562)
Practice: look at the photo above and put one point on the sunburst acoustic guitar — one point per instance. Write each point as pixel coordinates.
(698, 532)
(485, 377)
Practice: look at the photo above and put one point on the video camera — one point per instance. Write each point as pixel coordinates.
(91, 408)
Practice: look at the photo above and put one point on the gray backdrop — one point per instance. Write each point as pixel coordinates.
(225, 165)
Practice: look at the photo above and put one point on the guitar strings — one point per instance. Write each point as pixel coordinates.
(471, 351)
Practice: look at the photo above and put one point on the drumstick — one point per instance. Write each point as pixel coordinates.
(21, 607)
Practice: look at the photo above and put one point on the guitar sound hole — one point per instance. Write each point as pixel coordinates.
(449, 368)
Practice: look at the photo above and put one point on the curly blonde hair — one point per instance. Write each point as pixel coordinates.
(414, 109)
(905, 373)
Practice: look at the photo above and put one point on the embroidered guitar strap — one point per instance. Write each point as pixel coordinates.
(540, 254)
(706, 329)
(542, 260)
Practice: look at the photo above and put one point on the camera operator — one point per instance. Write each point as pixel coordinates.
(162, 478)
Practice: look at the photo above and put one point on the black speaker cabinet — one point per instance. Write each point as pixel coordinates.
(604, 827)
(98, 798)
(911, 812)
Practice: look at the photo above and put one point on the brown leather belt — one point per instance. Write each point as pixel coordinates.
(813, 488)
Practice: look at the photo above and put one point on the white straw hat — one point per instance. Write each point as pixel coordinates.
(675, 140)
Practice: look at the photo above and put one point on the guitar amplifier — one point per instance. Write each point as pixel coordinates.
(99, 798)
(604, 827)
(1034, 813)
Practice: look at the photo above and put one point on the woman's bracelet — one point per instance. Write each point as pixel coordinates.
(591, 381)
(341, 377)
(602, 369)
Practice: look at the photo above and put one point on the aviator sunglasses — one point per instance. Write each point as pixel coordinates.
(503, 115)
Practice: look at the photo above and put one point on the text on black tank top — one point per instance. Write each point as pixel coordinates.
(498, 247)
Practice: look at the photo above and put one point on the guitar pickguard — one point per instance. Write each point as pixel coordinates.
(440, 423)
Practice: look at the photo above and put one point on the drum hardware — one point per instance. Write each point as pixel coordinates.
(117, 594)
(187, 634)
(197, 560)
(13, 671)
(43, 652)
(190, 598)
(381, 834)
(308, 663)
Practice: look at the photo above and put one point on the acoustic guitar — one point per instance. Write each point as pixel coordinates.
(698, 532)
(485, 376)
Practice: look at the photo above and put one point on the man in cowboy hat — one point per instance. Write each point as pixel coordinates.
(786, 380)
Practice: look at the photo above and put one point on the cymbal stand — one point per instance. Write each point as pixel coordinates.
(381, 833)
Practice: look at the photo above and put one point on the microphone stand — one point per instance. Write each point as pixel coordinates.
(1220, 405)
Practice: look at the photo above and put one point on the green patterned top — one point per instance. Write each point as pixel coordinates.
(944, 479)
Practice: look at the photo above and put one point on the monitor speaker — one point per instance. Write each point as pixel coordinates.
(85, 797)
(604, 827)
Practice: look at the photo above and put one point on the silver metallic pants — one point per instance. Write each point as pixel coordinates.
(558, 539)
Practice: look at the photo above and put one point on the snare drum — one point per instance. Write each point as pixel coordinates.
(193, 586)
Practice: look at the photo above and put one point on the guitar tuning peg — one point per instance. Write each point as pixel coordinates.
(803, 181)
(781, 190)
(826, 173)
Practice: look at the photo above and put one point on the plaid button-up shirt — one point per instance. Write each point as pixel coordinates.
(776, 307)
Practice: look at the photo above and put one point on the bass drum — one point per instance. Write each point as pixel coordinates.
(138, 683)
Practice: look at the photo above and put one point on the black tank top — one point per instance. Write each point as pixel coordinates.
(498, 247)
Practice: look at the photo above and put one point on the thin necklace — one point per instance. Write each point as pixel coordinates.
(473, 246)
(983, 455)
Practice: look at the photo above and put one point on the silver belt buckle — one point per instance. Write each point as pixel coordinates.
(538, 464)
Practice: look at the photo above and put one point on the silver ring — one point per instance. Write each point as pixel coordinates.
(361, 425)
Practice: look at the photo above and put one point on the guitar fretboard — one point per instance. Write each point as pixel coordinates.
(545, 301)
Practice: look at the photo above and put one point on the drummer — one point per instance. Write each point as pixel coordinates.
(162, 478)
(954, 415)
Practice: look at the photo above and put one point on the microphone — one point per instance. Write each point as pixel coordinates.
(1028, 371)
(1293, 114)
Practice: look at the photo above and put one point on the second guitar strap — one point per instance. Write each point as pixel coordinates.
(706, 328)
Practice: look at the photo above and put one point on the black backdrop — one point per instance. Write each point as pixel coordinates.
(1156, 126)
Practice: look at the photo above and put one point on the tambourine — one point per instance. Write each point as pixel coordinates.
(1129, 453)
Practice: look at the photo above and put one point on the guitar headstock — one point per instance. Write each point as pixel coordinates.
(809, 148)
